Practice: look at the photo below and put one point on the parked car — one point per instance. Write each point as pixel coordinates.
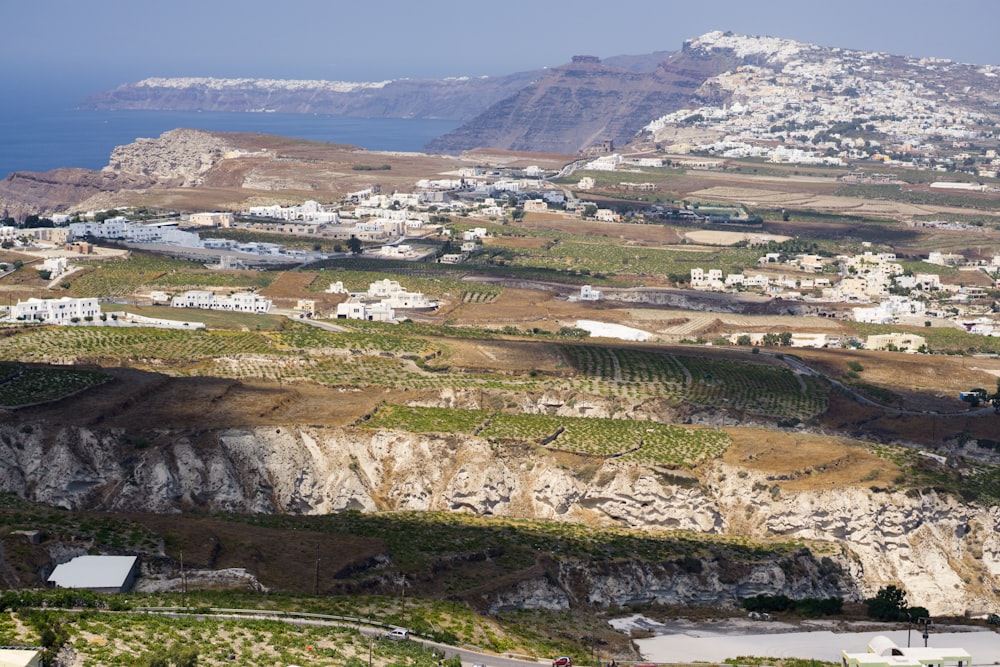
(397, 634)
(563, 661)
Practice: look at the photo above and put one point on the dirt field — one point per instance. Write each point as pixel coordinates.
(207, 403)
(806, 461)
(615, 230)
(527, 308)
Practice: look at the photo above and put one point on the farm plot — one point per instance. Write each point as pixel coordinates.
(426, 420)
(670, 445)
(645, 442)
(89, 343)
(756, 388)
(119, 278)
(26, 386)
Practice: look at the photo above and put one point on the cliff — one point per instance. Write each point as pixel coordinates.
(583, 103)
(945, 553)
(451, 98)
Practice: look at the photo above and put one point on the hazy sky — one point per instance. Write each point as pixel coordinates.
(83, 45)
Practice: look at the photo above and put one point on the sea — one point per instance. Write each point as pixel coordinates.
(35, 137)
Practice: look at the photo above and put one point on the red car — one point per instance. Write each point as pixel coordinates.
(564, 661)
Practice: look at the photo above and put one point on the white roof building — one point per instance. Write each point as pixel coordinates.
(242, 302)
(55, 311)
(101, 574)
(883, 652)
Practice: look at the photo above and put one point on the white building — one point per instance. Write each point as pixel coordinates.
(56, 311)
(588, 293)
(241, 302)
(475, 234)
(886, 312)
(308, 211)
(56, 266)
(391, 293)
(883, 652)
(359, 310)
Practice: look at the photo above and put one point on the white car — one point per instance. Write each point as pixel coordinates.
(397, 634)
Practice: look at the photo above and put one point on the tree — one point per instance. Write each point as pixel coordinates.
(743, 340)
(354, 245)
(785, 338)
(889, 604)
(589, 211)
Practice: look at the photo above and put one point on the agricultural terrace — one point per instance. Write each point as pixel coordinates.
(640, 373)
(21, 385)
(417, 357)
(645, 442)
(121, 277)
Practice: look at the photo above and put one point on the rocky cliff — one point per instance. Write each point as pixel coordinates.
(452, 98)
(583, 103)
(945, 553)
(178, 158)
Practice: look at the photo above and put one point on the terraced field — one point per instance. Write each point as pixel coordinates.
(758, 388)
(644, 442)
(25, 385)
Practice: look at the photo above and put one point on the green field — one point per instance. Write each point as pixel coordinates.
(25, 385)
(121, 277)
(646, 442)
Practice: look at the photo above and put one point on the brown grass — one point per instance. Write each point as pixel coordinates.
(805, 461)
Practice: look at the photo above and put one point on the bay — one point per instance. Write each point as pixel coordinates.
(39, 138)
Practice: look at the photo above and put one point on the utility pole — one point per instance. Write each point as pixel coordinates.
(402, 598)
(316, 579)
(183, 583)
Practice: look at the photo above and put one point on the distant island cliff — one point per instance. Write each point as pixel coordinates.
(451, 99)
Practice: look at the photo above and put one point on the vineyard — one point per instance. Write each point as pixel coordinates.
(754, 387)
(120, 278)
(25, 386)
(645, 442)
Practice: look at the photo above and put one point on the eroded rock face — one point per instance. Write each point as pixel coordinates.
(945, 553)
(175, 158)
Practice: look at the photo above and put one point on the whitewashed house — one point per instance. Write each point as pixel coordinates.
(56, 311)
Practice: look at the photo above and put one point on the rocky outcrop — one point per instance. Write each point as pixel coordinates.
(175, 158)
(946, 553)
(178, 158)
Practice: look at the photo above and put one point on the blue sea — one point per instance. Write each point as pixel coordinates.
(39, 137)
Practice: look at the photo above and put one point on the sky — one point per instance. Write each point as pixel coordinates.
(81, 46)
